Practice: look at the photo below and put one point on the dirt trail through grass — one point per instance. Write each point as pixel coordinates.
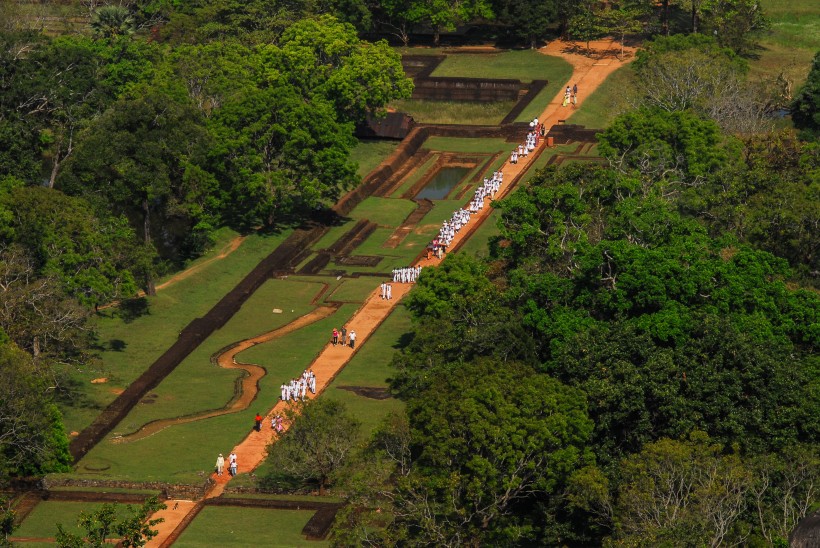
(249, 385)
(588, 73)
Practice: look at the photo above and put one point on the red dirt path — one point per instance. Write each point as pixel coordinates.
(588, 74)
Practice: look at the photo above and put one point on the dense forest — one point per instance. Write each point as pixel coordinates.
(632, 363)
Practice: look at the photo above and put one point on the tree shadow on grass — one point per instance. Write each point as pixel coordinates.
(132, 309)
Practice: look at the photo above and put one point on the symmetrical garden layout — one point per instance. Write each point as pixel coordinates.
(262, 313)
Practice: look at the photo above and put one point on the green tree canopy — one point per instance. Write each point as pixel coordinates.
(493, 441)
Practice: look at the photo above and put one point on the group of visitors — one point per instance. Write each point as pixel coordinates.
(461, 217)
(220, 464)
(342, 337)
(297, 388)
(536, 132)
(386, 290)
(571, 96)
(406, 275)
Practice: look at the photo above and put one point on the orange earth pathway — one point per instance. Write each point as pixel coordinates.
(588, 74)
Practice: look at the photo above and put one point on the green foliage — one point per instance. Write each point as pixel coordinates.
(805, 108)
(7, 525)
(111, 21)
(102, 525)
(32, 439)
(494, 442)
(93, 257)
(316, 445)
(735, 23)
(768, 199)
(663, 145)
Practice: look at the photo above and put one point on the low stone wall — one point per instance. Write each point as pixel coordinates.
(168, 490)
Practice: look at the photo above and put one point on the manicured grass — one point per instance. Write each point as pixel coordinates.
(231, 526)
(478, 244)
(195, 445)
(791, 43)
(557, 81)
(599, 109)
(370, 153)
(332, 235)
(385, 212)
(354, 290)
(129, 345)
(524, 65)
(196, 384)
(466, 144)
(455, 112)
(42, 521)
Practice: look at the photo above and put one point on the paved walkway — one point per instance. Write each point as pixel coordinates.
(588, 73)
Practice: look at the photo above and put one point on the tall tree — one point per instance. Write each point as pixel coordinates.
(143, 156)
(495, 443)
(806, 105)
(32, 437)
(318, 443)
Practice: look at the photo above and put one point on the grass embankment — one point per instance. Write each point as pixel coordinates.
(129, 342)
(368, 154)
(605, 103)
(229, 526)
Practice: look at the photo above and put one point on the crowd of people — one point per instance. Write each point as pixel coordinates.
(406, 275)
(297, 388)
(461, 217)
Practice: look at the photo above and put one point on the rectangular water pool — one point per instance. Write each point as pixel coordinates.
(442, 183)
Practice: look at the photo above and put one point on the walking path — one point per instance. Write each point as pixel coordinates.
(588, 74)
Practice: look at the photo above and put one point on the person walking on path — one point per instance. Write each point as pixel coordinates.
(220, 464)
(335, 336)
(344, 335)
(352, 339)
(258, 420)
(232, 466)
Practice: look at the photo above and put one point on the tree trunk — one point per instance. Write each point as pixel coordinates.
(146, 225)
(665, 17)
(322, 486)
(150, 286)
(694, 17)
(55, 166)
(436, 37)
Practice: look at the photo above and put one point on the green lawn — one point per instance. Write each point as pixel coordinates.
(455, 112)
(42, 521)
(791, 43)
(370, 153)
(370, 367)
(128, 345)
(230, 526)
(197, 385)
(478, 244)
(195, 444)
(606, 102)
(467, 144)
(385, 212)
(525, 65)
